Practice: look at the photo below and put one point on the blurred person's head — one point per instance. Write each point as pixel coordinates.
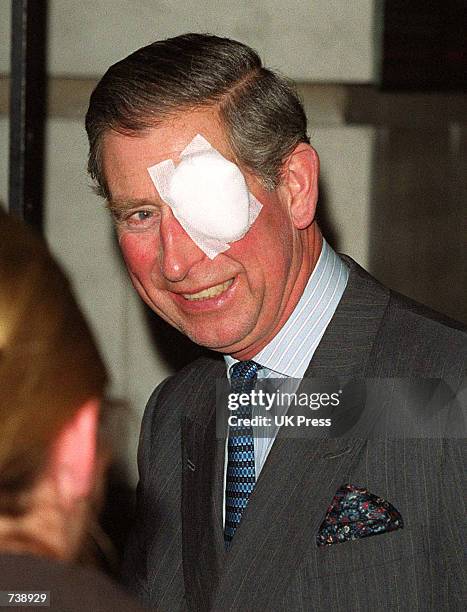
(52, 379)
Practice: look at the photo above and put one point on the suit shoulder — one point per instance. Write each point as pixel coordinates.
(428, 315)
(419, 318)
(191, 376)
(412, 316)
(426, 343)
(177, 386)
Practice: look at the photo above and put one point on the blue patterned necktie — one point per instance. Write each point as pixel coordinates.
(241, 478)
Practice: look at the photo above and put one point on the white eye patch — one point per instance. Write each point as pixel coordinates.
(208, 196)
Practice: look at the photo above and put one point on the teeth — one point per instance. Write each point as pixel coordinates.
(208, 293)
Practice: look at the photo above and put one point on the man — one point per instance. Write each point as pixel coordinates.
(166, 126)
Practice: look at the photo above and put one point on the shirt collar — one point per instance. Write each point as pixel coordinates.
(291, 349)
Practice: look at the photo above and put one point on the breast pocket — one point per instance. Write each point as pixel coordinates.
(359, 554)
(377, 572)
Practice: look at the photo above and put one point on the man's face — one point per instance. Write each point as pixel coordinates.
(234, 303)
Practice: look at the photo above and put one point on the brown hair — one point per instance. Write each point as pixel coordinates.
(49, 363)
(260, 110)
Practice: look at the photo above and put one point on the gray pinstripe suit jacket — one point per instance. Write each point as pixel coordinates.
(175, 557)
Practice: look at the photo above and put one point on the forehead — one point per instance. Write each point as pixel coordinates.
(126, 158)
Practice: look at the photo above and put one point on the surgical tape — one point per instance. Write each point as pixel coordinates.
(208, 196)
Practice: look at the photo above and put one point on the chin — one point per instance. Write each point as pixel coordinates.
(221, 340)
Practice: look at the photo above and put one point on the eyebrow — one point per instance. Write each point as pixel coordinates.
(121, 205)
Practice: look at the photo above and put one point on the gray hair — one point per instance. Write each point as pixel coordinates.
(259, 109)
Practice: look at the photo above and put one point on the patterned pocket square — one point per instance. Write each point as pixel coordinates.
(355, 513)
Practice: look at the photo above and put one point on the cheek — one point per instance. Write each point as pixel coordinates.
(271, 239)
(139, 251)
(265, 254)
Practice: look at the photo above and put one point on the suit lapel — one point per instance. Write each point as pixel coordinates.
(348, 341)
(201, 509)
(301, 476)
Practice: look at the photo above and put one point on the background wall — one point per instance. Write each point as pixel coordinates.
(392, 191)
(317, 40)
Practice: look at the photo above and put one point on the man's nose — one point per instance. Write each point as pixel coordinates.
(178, 251)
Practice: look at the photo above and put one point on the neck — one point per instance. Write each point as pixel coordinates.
(310, 252)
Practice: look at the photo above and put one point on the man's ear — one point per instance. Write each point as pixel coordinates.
(72, 462)
(300, 184)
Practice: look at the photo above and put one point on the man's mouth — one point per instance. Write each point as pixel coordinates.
(210, 292)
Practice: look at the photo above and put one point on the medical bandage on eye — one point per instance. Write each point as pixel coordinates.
(208, 196)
